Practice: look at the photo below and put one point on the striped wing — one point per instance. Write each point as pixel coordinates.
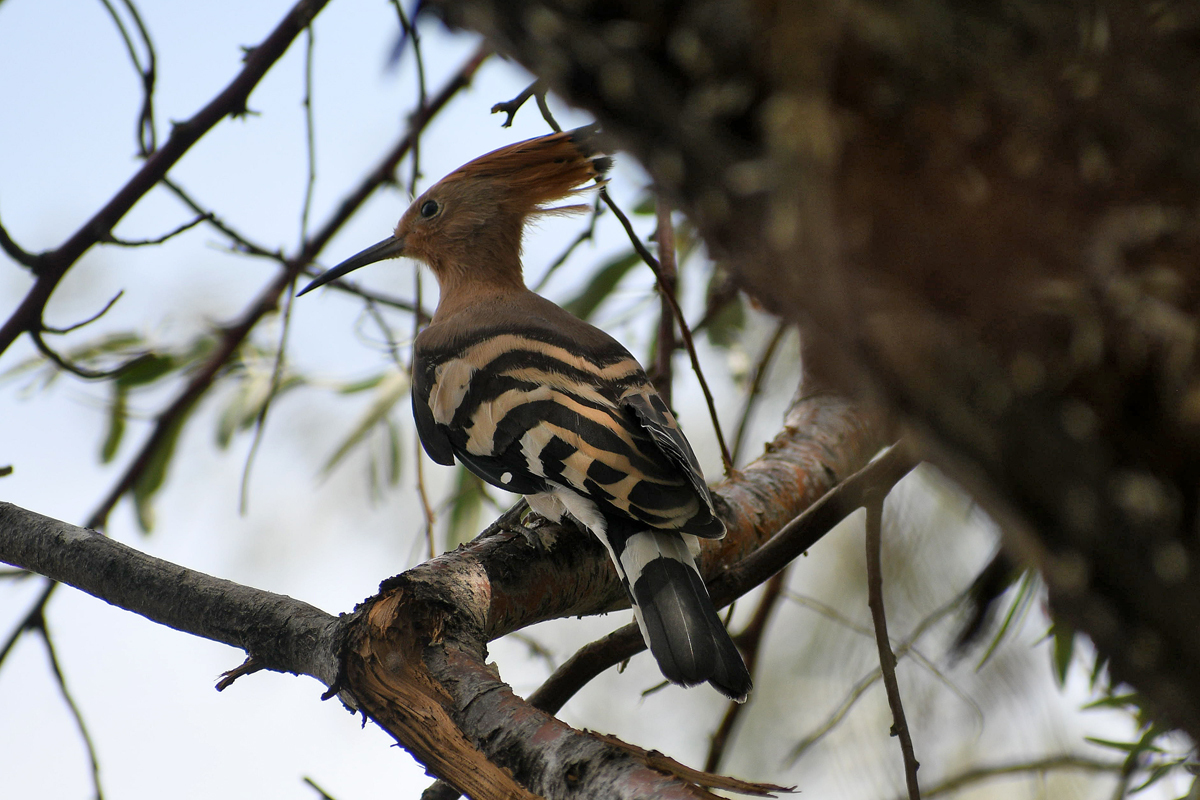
(524, 411)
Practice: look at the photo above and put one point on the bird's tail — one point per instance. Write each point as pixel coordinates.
(677, 617)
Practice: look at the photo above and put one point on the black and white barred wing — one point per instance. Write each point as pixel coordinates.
(523, 412)
(658, 421)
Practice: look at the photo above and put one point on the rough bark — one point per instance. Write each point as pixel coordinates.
(986, 215)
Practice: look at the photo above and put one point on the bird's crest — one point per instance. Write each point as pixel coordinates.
(536, 172)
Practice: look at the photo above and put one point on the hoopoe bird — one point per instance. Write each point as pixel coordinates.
(535, 401)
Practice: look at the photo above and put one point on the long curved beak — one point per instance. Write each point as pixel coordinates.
(390, 247)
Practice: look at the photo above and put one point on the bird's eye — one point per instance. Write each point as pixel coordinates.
(430, 208)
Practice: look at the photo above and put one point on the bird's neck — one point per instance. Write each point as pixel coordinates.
(463, 286)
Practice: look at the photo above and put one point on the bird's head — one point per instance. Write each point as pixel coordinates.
(468, 226)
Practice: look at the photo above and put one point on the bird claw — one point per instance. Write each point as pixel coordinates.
(530, 535)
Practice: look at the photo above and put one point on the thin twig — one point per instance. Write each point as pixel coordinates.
(544, 107)
(76, 714)
(18, 255)
(109, 238)
(761, 368)
(1065, 761)
(887, 659)
(749, 641)
(89, 320)
(75, 369)
(586, 235)
(313, 784)
(146, 137)
(867, 681)
(794, 538)
(30, 621)
(310, 137)
(244, 245)
(511, 107)
(232, 336)
(652, 262)
(54, 265)
(661, 373)
(422, 492)
(260, 419)
(409, 29)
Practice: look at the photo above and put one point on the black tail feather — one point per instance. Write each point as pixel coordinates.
(682, 628)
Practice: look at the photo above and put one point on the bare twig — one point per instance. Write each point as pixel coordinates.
(232, 336)
(75, 369)
(313, 784)
(867, 681)
(1064, 761)
(652, 262)
(587, 234)
(146, 136)
(422, 492)
(110, 238)
(244, 245)
(661, 375)
(31, 621)
(544, 107)
(755, 390)
(18, 255)
(310, 136)
(72, 706)
(232, 100)
(89, 320)
(260, 419)
(749, 641)
(887, 659)
(793, 539)
(511, 107)
(409, 28)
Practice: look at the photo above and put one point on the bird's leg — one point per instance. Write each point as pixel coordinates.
(510, 520)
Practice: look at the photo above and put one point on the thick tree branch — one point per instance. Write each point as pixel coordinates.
(415, 655)
(286, 635)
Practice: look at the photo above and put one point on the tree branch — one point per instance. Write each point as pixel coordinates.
(415, 653)
(231, 101)
(285, 634)
(887, 659)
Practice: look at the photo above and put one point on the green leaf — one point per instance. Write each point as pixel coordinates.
(145, 369)
(601, 285)
(152, 477)
(1017, 608)
(1064, 648)
(465, 507)
(647, 204)
(355, 387)
(1115, 701)
(117, 411)
(388, 392)
(725, 327)
(1157, 772)
(1124, 747)
(394, 448)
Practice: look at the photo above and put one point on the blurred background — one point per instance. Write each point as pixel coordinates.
(318, 498)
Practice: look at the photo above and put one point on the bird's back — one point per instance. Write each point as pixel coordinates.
(524, 375)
